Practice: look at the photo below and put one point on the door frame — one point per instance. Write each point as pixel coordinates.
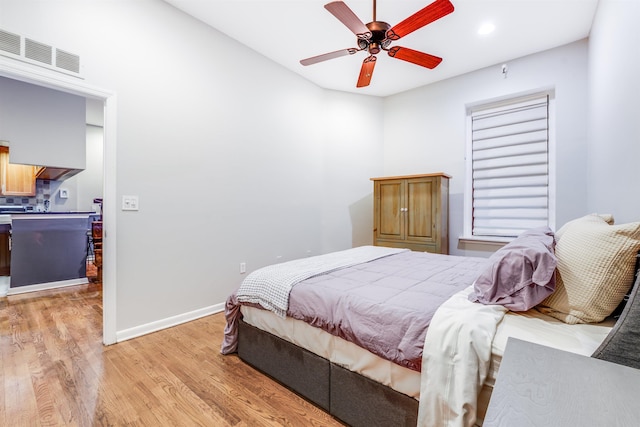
(53, 80)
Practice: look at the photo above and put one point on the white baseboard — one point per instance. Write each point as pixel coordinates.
(46, 286)
(158, 325)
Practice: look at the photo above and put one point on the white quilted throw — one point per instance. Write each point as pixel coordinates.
(270, 286)
(455, 361)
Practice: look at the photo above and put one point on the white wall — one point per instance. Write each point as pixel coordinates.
(90, 181)
(226, 150)
(353, 154)
(614, 123)
(425, 129)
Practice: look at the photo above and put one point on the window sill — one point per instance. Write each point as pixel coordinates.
(484, 241)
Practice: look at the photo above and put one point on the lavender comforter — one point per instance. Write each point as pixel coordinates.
(384, 306)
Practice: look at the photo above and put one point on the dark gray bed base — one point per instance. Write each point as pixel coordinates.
(348, 396)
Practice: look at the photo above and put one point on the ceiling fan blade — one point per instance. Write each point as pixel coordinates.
(327, 56)
(345, 15)
(415, 57)
(427, 15)
(366, 71)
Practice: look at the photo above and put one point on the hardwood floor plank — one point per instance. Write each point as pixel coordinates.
(20, 404)
(46, 388)
(152, 375)
(56, 372)
(210, 388)
(63, 361)
(198, 394)
(4, 343)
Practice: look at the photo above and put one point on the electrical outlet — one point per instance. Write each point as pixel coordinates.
(243, 267)
(129, 203)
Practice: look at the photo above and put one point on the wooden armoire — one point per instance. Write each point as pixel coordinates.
(412, 212)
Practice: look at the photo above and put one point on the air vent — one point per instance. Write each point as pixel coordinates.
(9, 42)
(34, 52)
(67, 61)
(38, 51)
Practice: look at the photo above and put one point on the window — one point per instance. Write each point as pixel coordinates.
(509, 167)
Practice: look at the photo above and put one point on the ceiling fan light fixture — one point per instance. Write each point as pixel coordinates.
(486, 28)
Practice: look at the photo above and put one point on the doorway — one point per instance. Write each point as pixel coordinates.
(52, 80)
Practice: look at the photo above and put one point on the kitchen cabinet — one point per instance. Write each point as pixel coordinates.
(5, 249)
(16, 180)
(412, 212)
(48, 249)
(44, 126)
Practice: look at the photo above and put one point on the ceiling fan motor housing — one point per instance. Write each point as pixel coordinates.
(378, 38)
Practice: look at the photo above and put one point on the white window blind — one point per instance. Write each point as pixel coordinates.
(510, 167)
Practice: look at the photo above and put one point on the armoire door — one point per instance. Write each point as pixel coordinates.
(420, 206)
(391, 214)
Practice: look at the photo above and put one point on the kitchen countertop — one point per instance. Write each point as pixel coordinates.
(31, 215)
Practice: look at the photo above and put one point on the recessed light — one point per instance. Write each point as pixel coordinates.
(486, 28)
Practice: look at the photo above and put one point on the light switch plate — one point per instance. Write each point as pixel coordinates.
(64, 193)
(129, 203)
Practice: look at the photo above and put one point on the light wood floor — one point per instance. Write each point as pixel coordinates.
(55, 372)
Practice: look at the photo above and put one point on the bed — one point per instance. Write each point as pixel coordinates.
(348, 372)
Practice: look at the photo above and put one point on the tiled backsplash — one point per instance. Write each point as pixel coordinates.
(43, 192)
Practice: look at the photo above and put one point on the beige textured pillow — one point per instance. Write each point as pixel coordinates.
(595, 270)
(608, 218)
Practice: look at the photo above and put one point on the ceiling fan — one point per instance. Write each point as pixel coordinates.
(378, 35)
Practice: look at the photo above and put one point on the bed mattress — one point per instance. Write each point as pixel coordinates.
(531, 326)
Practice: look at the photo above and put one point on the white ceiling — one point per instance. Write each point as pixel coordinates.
(287, 31)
